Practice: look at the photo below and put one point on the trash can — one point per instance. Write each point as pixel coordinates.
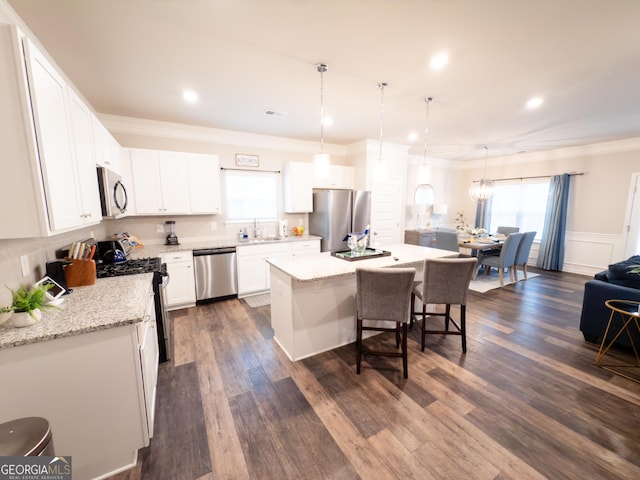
(26, 437)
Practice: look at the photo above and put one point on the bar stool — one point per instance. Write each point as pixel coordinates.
(383, 294)
(26, 437)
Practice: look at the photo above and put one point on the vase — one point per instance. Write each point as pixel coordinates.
(4, 317)
(23, 319)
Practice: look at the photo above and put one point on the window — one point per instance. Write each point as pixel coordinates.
(520, 204)
(250, 195)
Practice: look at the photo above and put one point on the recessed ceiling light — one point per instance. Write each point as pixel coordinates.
(189, 96)
(413, 136)
(534, 103)
(439, 61)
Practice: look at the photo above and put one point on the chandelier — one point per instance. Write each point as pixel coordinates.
(481, 191)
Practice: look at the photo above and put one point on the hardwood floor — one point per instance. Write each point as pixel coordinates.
(525, 402)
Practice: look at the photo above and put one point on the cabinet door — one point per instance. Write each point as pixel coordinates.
(174, 181)
(85, 164)
(49, 104)
(340, 176)
(181, 289)
(298, 187)
(146, 182)
(204, 183)
(251, 274)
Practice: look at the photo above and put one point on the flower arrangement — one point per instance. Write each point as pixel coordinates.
(460, 224)
(476, 232)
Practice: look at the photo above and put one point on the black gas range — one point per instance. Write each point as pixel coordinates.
(134, 266)
(131, 267)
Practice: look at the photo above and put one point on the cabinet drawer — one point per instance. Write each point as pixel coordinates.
(311, 246)
(172, 257)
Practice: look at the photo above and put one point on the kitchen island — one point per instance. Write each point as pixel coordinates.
(81, 368)
(313, 297)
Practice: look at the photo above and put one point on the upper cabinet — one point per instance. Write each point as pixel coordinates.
(298, 187)
(175, 182)
(340, 176)
(107, 150)
(45, 162)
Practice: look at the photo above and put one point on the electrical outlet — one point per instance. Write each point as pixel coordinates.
(214, 226)
(159, 228)
(24, 265)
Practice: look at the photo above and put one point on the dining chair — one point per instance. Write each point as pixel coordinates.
(507, 230)
(445, 281)
(506, 259)
(447, 241)
(522, 254)
(382, 296)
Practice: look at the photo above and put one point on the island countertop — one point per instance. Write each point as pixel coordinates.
(323, 265)
(110, 302)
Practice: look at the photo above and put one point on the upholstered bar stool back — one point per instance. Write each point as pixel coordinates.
(383, 294)
(445, 281)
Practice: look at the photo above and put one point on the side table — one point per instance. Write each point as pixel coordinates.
(627, 312)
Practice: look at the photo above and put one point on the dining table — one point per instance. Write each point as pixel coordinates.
(480, 244)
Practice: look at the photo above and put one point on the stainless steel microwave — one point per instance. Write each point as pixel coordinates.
(113, 193)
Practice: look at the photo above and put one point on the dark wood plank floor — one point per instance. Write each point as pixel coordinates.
(526, 401)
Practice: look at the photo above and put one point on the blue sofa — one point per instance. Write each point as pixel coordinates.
(615, 283)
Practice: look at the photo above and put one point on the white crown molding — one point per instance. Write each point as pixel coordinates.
(178, 131)
(601, 148)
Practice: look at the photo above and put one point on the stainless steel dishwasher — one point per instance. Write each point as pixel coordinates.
(216, 274)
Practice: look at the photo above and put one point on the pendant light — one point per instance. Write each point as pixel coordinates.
(424, 194)
(481, 191)
(380, 171)
(321, 160)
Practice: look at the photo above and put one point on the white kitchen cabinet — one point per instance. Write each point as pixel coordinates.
(160, 182)
(180, 292)
(308, 247)
(107, 149)
(47, 146)
(298, 187)
(85, 165)
(253, 270)
(340, 176)
(176, 183)
(204, 184)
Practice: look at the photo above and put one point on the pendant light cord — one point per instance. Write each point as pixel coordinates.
(381, 86)
(428, 101)
(321, 68)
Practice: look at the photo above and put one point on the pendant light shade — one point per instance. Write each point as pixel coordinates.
(481, 191)
(321, 161)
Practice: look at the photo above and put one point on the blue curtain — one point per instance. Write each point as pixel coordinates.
(551, 255)
(483, 214)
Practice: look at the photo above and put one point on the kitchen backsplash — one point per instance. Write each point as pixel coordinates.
(193, 228)
(188, 229)
(39, 251)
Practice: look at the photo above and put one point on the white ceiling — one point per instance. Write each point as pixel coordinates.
(133, 58)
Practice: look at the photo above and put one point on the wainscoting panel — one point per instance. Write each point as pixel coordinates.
(590, 253)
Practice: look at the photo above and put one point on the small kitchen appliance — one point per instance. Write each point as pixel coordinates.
(55, 271)
(170, 228)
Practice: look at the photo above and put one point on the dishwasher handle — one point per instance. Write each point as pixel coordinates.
(213, 251)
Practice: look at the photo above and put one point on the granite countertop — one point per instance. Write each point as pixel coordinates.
(110, 302)
(155, 250)
(318, 266)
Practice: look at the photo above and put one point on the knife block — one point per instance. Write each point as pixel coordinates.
(80, 273)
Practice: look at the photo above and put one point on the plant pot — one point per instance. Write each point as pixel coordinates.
(5, 316)
(23, 319)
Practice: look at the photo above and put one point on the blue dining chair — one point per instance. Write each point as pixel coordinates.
(506, 259)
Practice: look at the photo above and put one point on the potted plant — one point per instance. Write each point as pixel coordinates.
(5, 314)
(27, 304)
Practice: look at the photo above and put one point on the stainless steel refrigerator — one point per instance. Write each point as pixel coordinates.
(336, 213)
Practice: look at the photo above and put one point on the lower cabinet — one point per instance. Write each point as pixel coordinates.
(181, 289)
(253, 270)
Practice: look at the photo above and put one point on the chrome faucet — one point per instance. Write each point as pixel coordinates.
(257, 229)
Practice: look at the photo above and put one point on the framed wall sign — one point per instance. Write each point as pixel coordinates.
(243, 160)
